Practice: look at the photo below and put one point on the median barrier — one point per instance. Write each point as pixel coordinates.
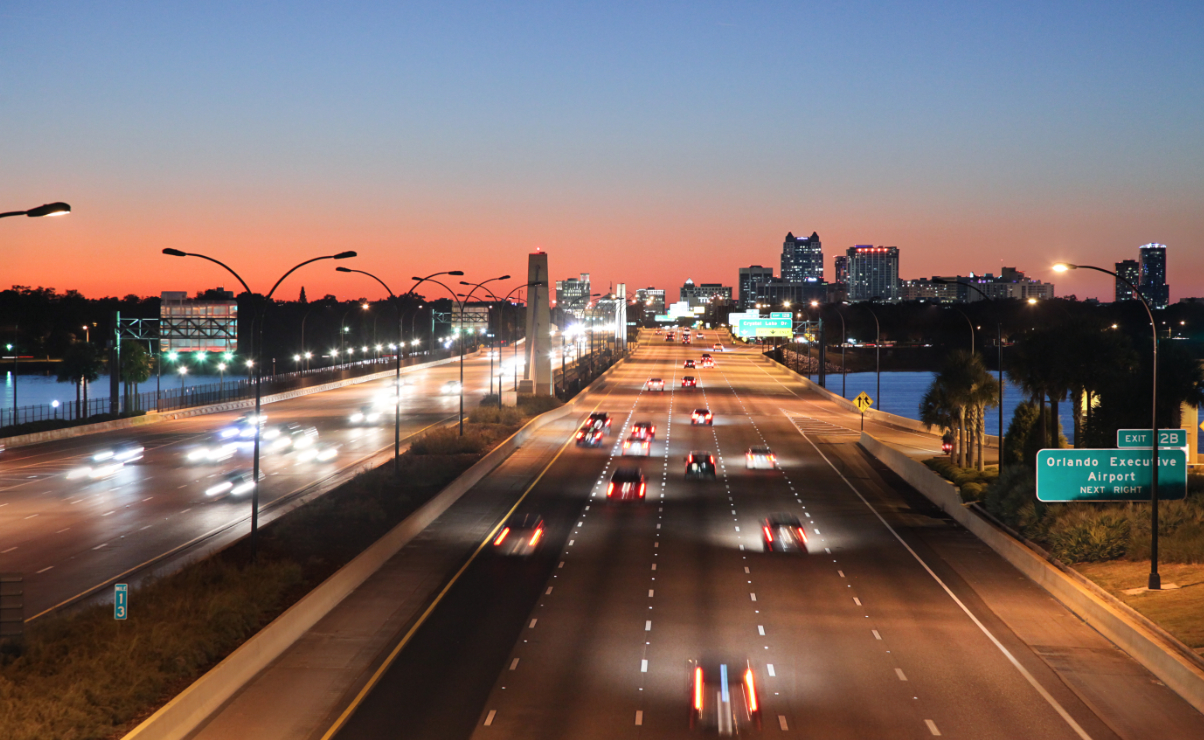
(193, 706)
(152, 417)
(1174, 663)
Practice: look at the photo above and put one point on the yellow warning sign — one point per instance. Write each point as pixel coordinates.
(863, 401)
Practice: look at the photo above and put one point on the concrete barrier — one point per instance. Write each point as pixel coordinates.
(1174, 663)
(152, 417)
(187, 711)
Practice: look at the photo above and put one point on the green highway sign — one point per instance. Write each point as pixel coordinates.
(1140, 438)
(121, 600)
(1109, 475)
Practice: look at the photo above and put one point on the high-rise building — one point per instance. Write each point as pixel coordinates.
(802, 259)
(873, 273)
(653, 300)
(751, 280)
(572, 295)
(705, 294)
(1153, 275)
(840, 266)
(1130, 270)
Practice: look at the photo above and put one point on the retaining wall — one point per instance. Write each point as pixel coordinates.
(1166, 657)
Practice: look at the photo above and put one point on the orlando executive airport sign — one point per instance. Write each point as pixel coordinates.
(1108, 476)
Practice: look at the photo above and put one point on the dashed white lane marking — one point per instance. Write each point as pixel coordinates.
(100, 546)
(654, 566)
(639, 716)
(899, 673)
(761, 630)
(107, 513)
(489, 717)
(857, 601)
(644, 666)
(31, 516)
(841, 572)
(48, 567)
(14, 547)
(769, 666)
(650, 593)
(746, 569)
(876, 635)
(514, 664)
(548, 591)
(532, 625)
(648, 625)
(753, 596)
(571, 542)
(561, 564)
(782, 723)
(932, 727)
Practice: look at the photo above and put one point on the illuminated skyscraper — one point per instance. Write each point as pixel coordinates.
(1153, 275)
(873, 273)
(802, 259)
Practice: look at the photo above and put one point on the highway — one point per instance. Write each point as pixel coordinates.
(68, 535)
(895, 624)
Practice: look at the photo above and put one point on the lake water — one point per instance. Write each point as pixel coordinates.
(35, 390)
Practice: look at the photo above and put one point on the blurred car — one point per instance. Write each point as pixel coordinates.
(122, 453)
(635, 445)
(723, 697)
(603, 418)
(590, 435)
(668, 337)
(316, 453)
(708, 361)
(290, 436)
(783, 533)
(717, 347)
(689, 381)
(236, 484)
(212, 453)
(760, 458)
(244, 426)
(520, 536)
(451, 388)
(689, 363)
(654, 384)
(96, 471)
(702, 416)
(643, 430)
(626, 484)
(366, 415)
(700, 465)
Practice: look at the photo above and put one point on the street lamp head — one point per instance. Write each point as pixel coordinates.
(364, 306)
(457, 273)
(174, 252)
(183, 369)
(50, 209)
(173, 356)
(1032, 301)
(250, 363)
(1063, 267)
(503, 277)
(221, 366)
(342, 269)
(309, 355)
(296, 358)
(814, 304)
(344, 255)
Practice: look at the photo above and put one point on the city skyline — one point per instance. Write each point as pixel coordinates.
(234, 132)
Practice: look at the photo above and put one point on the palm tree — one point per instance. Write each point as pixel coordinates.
(956, 401)
(81, 365)
(938, 410)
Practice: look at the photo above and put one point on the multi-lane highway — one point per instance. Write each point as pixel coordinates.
(895, 623)
(68, 534)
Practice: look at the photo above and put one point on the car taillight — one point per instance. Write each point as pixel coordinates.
(642, 485)
(501, 537)
(698, 689)
(768, 534)
(535, 537)
(610, 489)
(772, 458)
(580, 435)
(751, 689)
(802, 535)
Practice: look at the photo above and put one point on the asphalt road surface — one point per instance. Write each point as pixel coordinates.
(67, 535)
(895, 624)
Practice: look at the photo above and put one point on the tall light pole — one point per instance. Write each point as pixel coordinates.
(1155, 582)
(462, 304)
(877, 352)
(257, 329)
(50, 209)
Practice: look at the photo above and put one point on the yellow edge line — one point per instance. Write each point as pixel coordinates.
(367, 689)
(183, 546)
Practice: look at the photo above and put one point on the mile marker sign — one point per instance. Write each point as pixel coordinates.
(1103, 476)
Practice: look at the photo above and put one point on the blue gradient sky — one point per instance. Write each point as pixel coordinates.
(644, 143)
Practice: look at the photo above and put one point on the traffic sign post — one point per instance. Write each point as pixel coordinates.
(863, 402)
(121, 601)
(1109, 476)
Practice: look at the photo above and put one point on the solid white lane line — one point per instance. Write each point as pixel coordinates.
(761, 630)
(1032, 681)
(769, 666)
(899, 673)
(639, 716)
(644, 666)
(932, 727)
(532, 625)
(514, 664)
(782, 723)
(489, 717)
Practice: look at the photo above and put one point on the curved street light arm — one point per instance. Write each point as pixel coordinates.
(227, 268)
(339, 256)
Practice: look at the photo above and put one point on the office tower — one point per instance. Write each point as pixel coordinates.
(572, 295)
(802, 259)
(653, 300)
(705, 294)
(1130, 270)
(751, 280)
(840, 266)
(873, 273)
(1153, 275)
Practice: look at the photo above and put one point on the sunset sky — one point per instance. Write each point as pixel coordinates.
(642, 142)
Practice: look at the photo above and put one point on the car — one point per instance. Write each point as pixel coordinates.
(659, 332)
(316, 453)
(668, 337)
(520, 535)
(760, 458)
(236, 484)
(643, 430)
(603, 418)
(689, 381)
(655, 384)
(366, 415)
(123, 453)
(700, 465)
(723, 696)
(783, 533)
(702, 416)
(699, 335)
(244, 426)
(451, 388)
(708, 363)
(717, 347)
(635, 445)
(626, 484)
(689, 363)
(291, 436)
(589, 435)
(212, 453)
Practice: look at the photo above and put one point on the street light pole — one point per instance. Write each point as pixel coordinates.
(462, 304)
(258, 350)
(877, 352)
(1155, 581)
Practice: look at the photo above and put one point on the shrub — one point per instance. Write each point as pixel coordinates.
(533, 405)
(449, 441)
(507, 415)
(1005, 497)
(1087, 534)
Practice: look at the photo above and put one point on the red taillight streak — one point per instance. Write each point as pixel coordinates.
(535, 537)
(580, 435)
(768, 534)
(698, 689)
(610, 489)
(752, 690)
(642, 485)
(802, 534)
(501, 537)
